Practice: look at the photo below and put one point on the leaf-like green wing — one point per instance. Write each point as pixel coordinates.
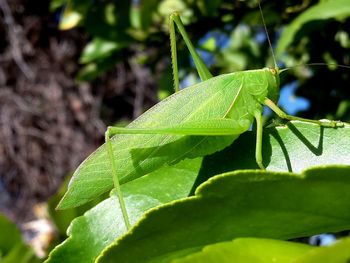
(339, 9)
(250, 203)
(137, 155)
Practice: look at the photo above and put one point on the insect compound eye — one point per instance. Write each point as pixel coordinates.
(273, 71)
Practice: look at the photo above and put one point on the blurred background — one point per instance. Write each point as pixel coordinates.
(69, 68)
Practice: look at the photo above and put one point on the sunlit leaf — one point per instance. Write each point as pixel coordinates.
(250, 203)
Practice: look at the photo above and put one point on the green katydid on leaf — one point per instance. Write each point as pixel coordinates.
(197, 121)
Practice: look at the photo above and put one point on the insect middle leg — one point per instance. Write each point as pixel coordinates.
(259, 133)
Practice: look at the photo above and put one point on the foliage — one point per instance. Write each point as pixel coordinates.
(184, 211)
(239, 204)
(230, 36)
(12, 247)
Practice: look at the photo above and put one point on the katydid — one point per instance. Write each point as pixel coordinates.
(193, 122)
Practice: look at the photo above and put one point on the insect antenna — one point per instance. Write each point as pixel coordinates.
(267, 35)
(316, 64)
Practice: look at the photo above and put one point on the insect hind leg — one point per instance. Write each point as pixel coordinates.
(202, 69)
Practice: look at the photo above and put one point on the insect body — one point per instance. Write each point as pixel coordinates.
(193, 122)
(196, 121)
(224, 105)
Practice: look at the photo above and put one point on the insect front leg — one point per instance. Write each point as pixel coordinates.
(283, 115)
(109, 133)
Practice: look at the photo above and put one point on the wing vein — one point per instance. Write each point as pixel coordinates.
(235, 99)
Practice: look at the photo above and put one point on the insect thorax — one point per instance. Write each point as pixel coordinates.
(273, 78)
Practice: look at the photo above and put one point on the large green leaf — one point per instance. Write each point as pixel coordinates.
(339, 9)
(260, 250)
(253, 250)
(104, 223)
(251, 203)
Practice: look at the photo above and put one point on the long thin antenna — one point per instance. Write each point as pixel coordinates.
(316, 64)
(267, 34)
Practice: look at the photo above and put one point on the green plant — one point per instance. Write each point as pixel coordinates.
(12, 247)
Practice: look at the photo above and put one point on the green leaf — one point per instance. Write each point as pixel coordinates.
(251, 203)
(209, 7)
(98, 48)
(69, 19)
(253, 250)
(20, 253)
(338, 9)
(55, 4)
(10, 235)
(104, 223)
(142, 14)
(109, 20)
(92, 70)
(12, 247)
(260, 250)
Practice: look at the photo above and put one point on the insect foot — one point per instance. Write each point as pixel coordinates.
(332, 124)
